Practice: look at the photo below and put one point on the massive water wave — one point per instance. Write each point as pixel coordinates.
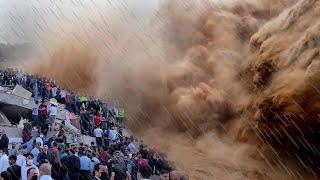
(227, 91)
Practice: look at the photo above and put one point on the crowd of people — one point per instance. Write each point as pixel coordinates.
(113, 155)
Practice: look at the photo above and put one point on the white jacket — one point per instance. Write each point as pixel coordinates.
(4, 163)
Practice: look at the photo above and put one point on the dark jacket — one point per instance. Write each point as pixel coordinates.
(4, 141)
(15, 172)
(73, 164)
(43, 157)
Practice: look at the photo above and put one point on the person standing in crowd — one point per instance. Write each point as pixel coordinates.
(55, 160)
(35, 152)
(53, 113)
(98, 133)
(5, 79)
(29, 144)
(73, 165)
(13, 150)
(132, 147)
(21, 159)
(4, 140)
(103, 155)
(63, 95)
(35, 90)
(26, 134)
(112, 134)
(35, 113)
(142, 162)
(29, 165)
(45, 171)
(47, 93)
(14, 169)
(54, 91)
(84, 129)
(68, 101)
(43, 157)
(5, 175)
(95, 159)
(4, 161)
(40, 140)
(118, 172)
(164, 175)
(24, 81)
(42, 116)
(97, 119)
(85, 165)
(131, 166)
(101, 172)
(74, 102)
(64, 160)
(145, 172)
(32, 173)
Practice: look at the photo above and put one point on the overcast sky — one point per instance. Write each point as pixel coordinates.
(27, 20)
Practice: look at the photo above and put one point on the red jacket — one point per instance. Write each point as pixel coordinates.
(103, 156)
(97, 120)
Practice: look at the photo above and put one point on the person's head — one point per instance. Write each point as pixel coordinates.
(126, 151)
(1, 131)
(29, 160)
(116, 154)
(164, 174)
(81, 153)
(139, 156)
(41, 135)
(54, 144)
(71, 152)
(94, 154)
(1, 151)
(146, 171)
(89, 154)
(126, 158)
(32, 174)
(99, 169)
(45, 169)
(5, 175)
(76, 149)
(13, 145)
(101, 149)
(12, 160)
(45, 148)
(38, 145)
(22, 150)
